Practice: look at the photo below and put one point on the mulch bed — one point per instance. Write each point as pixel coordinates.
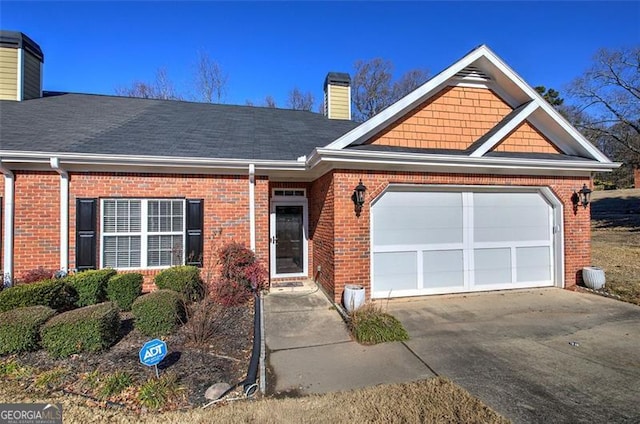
(224, 359)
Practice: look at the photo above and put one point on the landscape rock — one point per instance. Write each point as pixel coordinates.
(216, 390)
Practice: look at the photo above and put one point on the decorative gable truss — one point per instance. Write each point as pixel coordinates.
(477, 108)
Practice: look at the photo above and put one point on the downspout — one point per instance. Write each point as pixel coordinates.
(9, 187)
(252, 206)
(64, 214)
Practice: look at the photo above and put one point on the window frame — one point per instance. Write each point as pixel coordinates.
(144, 232)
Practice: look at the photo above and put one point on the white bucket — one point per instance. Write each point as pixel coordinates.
(593, 277)
(354, 296)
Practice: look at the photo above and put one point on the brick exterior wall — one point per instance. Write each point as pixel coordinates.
(526, 139)
(226, 212)
(452, 119)
(351, 235)
(36, 224)
(636, 178)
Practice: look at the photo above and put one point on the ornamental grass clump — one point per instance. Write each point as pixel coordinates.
(370, 325)
(20, 328)
(89, 329)
(158, 313)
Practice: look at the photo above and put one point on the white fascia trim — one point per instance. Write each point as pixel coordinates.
(505, 130)
(162, 162)
(7, 244)
(20, 79)
(456, 161)
(64, 213)
(409, 101)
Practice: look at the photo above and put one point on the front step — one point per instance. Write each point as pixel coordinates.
(296, 286)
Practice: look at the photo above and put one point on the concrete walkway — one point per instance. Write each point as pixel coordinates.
(535, 356)
(311, 351)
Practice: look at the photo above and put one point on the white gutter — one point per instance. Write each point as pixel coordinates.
(9, 188)
(462, 161)
(252, 205)
(64, 213)
(71, 159)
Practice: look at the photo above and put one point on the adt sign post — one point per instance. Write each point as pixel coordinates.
(152, 353)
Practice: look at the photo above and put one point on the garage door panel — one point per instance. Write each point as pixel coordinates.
(492, 266)
(443, 268)
(395, 271)
(533, 264)
(418, 218)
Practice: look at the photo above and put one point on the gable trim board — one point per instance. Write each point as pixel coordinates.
(235, 194)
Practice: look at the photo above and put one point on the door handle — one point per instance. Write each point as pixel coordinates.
(274, 240)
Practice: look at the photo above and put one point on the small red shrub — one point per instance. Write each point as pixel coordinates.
(36, 274)
(230, 293)
(240, 275)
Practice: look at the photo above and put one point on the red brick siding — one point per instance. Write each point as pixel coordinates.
(452, 119)
(351, 248)
(36, 221)
(226, 206)
(636, 178)
(321, 229)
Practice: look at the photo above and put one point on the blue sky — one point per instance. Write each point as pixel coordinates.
(267, 48)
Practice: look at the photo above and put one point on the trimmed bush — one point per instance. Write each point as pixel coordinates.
(88, 329)
(182, 279)
(55, 294)
(123, 289)
(20, 328)
(158, 313)
(91, 286)
(240, 275)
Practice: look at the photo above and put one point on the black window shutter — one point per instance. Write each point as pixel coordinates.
(86, 223)
(195, 224)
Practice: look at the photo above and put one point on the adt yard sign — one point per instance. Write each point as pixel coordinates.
(153, 352)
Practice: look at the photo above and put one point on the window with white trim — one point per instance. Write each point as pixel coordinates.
(142, 233)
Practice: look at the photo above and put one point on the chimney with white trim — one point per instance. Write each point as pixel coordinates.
(21, 63)
(337, 96)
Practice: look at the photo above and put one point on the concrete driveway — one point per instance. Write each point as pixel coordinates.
(543, 356)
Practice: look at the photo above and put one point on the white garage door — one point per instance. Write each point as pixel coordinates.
(426, 242)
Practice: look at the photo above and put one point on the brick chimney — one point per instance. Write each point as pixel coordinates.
(337, 96)
(21, 63)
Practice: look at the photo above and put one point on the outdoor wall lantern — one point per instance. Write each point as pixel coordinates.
(358, 197)
(581, 197)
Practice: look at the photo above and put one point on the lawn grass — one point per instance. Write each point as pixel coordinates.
(615, 224)
(435, 400)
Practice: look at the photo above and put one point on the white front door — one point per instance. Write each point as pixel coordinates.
(289, 240)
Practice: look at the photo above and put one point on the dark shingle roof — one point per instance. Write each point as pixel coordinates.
(83, 123)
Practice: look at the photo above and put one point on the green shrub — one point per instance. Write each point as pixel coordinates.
(158, 313)
(91, 286)
(20, 328)
(56, 294)
(183, 279)
(370, 325)
(123, 289)
(87, 329)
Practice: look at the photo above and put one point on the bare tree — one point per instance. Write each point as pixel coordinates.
(373, 88)
(161, 88)
(210, 80)
(269, 101)
(609, 93)
(298, 100)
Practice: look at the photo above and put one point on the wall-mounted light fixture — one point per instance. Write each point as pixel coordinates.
(581, 197)
(358, 197)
